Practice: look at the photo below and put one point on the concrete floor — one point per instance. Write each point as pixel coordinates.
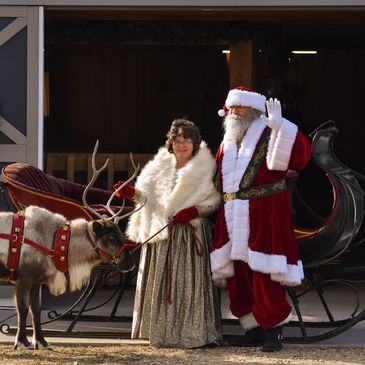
(340, 298)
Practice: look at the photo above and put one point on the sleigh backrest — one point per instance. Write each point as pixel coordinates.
(333, 237)
(28, 185)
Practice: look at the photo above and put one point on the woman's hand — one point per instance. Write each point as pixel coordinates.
(185, 215)
(127, 191)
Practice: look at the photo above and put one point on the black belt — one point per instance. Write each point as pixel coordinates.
(256, 192)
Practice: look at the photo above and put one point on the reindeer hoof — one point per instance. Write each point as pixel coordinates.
(22, 346)
(41, 345)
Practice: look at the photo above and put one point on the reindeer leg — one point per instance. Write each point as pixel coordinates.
(22, 291)
(39, 341)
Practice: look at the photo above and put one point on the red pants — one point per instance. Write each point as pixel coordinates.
(252, 291)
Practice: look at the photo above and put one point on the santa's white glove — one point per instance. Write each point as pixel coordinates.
(220, 282)
(274, 119)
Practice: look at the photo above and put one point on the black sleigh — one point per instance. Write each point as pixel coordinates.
(329, 244)
(331, 249)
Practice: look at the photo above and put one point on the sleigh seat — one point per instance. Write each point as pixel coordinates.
(28, 185)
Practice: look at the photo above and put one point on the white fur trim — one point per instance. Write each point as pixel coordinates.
(224, 272)
(280, 146)
(277, 267)
(248, 321)
(220, 282)
(240, 230)
(221, 263)
(246, 98)
(169, 190)
(236, 212)
(221, 113)
(234, 165)
(293, 276)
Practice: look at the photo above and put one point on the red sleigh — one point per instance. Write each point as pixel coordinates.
(28, 185)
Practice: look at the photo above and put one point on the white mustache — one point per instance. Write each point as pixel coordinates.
(235, 116)
(236, 126)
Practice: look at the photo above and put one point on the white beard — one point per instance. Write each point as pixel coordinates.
(236, 126)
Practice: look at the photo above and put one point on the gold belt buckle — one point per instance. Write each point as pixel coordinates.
(227, 197)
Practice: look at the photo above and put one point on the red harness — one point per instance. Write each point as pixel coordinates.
(15, 244)
(59, 254)
(102, 253)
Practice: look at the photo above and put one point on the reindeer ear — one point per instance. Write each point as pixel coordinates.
(97, 227)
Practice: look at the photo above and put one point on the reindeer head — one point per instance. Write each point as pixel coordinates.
(108, 241)
(104, 232)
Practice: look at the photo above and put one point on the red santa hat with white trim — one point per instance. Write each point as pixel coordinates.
(243, 96)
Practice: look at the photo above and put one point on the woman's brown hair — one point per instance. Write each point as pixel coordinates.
(185, 128)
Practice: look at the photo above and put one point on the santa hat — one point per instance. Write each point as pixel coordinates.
(245, 97)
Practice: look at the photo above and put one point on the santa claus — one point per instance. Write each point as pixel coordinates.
(254, 249)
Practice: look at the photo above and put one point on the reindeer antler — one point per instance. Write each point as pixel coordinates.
(115, 216)
(96, 173)
(117, 219)
(136, 167)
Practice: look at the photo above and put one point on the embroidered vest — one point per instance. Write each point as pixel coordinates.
(245, 190)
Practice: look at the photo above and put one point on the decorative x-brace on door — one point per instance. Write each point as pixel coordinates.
(21, 85)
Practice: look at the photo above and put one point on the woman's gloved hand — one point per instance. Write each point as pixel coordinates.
(185, 215)
(127, 191)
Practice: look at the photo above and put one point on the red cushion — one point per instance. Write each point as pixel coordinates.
(29, 185)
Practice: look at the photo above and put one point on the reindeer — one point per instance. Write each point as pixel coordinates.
(90, 243)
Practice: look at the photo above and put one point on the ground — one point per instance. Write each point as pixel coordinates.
(139, 354)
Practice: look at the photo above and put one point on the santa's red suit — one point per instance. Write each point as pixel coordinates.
(254, 244)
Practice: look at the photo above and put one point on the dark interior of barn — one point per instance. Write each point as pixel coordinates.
(122, 76)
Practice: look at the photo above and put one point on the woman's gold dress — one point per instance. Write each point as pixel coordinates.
(176, 304)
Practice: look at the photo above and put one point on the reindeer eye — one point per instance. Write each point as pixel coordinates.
(112, 240)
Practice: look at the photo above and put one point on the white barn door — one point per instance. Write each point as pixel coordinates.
(21, 85)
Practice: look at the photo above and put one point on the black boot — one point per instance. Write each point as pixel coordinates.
(253, 337)
(274, 340)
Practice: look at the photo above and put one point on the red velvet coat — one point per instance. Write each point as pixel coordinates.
(259, 231)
